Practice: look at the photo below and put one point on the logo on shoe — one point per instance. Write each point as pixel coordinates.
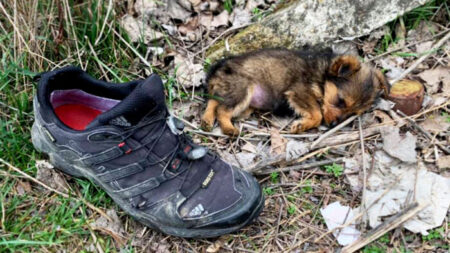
(120, 121)
(198, 210)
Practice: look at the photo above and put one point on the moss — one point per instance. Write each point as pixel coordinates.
(254, 37)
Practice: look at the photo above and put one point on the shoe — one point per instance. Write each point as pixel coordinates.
(122, 138)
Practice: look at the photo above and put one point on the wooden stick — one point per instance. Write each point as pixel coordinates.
(301, 166)
(423, 57)
(363, 197)
(333, 130)
(391, 223)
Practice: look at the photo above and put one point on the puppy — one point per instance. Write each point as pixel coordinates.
(317, 85)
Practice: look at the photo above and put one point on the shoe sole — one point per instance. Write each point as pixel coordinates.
(44, 146)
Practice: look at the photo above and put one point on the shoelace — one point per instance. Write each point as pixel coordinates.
(185, 149)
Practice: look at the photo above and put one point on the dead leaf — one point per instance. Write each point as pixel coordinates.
(188, 74)
(435, 124)
(240, 17)
(160, 247)
(179, 9)
(252, 4)
(393, 67)
(214, 6)
(384, 105)
(295, 149)
(188, 110)
(424, 31)
(195, 2)
(241, 159)
(384, 117)
(249, 148)
(400, 34)
(145, 7)
(433, 78)
(189, 26)
(443, 162)
(137, 28)
(205, 20)
(48, 175)
(401, 147)
(215, 247)
(221, 20)
(424, 47)
(23, 187)
(278, 142)
(113, 228)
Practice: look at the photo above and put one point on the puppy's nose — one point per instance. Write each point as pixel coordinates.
(333, 123)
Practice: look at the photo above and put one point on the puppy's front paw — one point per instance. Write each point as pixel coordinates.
(296, 127)
(304, 124)
(207, 123)
(230, 131)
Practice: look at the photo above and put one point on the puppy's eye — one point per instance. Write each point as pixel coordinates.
(341, 103)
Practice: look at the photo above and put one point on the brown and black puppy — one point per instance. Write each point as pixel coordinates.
(316, 85)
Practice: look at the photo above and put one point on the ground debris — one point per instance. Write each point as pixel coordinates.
(114, 228)
(138, 29)
(336, 215)
(393, 184)
(397, 146)
(48, 175)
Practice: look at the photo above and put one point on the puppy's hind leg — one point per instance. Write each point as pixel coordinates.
(210, 114)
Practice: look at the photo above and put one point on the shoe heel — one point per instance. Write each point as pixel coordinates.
(43, 146)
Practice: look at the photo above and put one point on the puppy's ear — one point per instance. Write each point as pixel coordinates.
(344, 66)
(384, 85)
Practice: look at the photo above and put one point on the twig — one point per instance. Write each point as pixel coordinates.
(25, 175)
(388, 225)
(423, 57)
(333, 130)
(301, 166)
(363, 205)
(427, 135)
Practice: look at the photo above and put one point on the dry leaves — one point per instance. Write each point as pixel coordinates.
(434, 78)
(188, 74)
(137, 29)
(401, 147)
(47, 174)
(278, 142)
(113, 228)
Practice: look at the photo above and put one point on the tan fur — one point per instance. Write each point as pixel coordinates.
(224, 116)
(210, 114)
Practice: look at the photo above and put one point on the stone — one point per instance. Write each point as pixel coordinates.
(313, 22)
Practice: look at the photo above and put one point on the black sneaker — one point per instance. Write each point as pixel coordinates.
(122, 138)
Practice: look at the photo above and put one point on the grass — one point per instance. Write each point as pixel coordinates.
(68, 33)
(410, 21)
(42, 35)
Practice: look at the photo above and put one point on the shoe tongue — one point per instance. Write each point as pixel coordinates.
(147, 96)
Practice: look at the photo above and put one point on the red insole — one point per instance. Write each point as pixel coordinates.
(76, 116)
